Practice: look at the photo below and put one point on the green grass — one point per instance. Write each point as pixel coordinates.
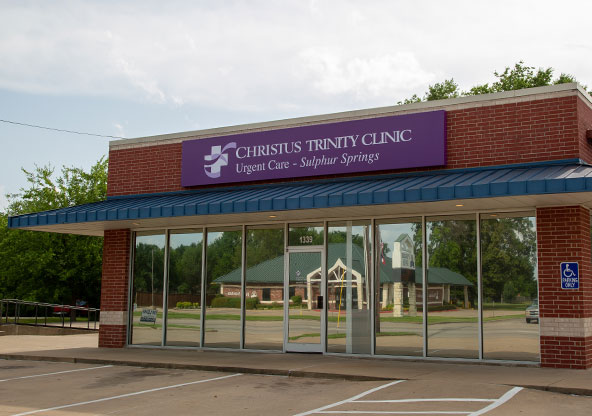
(338, 336)
(394, 334)
(279, 318)
(447, 319)
(505, 306)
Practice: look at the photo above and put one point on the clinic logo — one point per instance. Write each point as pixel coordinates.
(217, 158)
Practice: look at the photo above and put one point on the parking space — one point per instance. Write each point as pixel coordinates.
(17, 370)
(46, 388)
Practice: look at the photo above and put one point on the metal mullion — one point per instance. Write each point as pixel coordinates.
(324, 253)
(202, 317)
(130, 296)
(424, 289)
(243, 286)
(286, 288)
(165, 286)
(479, 286)
(371, 288)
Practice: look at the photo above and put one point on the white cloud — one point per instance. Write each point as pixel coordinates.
(292, 55)
(364, 78)
(120, 130)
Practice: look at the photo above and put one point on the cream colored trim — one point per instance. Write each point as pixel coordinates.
(113, 317)
(507, 97)
(566, 327)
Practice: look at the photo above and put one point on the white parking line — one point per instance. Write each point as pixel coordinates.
(351, 399)
(507, 396)
(494, 403)
(124, 395)
(57, 372)
(387, 412)
(425, 400)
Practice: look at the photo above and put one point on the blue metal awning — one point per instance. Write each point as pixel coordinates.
(398, 189)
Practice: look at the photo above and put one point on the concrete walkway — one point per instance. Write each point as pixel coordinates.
(81, 349)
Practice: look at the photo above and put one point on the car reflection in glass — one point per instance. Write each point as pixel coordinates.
(532, 312)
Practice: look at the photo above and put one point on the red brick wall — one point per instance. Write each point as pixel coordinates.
(584, 123)
(142, 170)
(481, 136)
(276, 293)
(112, 336)
(513, 133)
(114, 284)
(566, 352)
(563, 234)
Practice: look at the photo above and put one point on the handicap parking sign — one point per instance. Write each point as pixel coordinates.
(570, 276)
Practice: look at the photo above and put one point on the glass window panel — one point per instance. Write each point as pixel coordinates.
(399, 310)
(453, 327)
(184, 294)
(306, 235)
(223, 298)
(147, 288)
(510, 302)
(264, 323)
(348, 290)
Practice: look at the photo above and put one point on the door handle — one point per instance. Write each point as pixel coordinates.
(320, 302)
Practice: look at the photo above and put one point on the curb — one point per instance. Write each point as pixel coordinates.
(200, 367)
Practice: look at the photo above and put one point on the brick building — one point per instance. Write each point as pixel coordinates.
(496, 188)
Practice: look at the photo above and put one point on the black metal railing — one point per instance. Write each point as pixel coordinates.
(22, 312)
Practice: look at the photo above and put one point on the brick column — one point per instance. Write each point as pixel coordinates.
(114, 288)
(563, 235)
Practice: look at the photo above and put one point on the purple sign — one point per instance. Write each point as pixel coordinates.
(385, 143)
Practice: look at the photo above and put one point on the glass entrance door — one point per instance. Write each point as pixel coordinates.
(305, 309)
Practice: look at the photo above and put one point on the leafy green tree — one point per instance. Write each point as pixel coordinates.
(508, 247)
(185, 269)
(441, 90)
(263, 245)
(224, 254)
(52, 267)
(516, 78)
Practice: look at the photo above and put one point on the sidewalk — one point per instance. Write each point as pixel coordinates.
(81, 349)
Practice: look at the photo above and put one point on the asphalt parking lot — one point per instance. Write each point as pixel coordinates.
(50, 388)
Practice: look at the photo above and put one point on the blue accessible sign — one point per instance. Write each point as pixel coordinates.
(570, 275)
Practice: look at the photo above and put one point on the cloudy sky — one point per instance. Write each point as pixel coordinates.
(140, 68)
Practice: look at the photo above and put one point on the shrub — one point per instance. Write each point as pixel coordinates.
(296, 300)
(184, 305)
(251, 303)
(196, 305)
(224, 302)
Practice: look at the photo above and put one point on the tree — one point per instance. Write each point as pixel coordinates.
(49, 267)
(508, 247)
(508, 250)
(516, 78)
